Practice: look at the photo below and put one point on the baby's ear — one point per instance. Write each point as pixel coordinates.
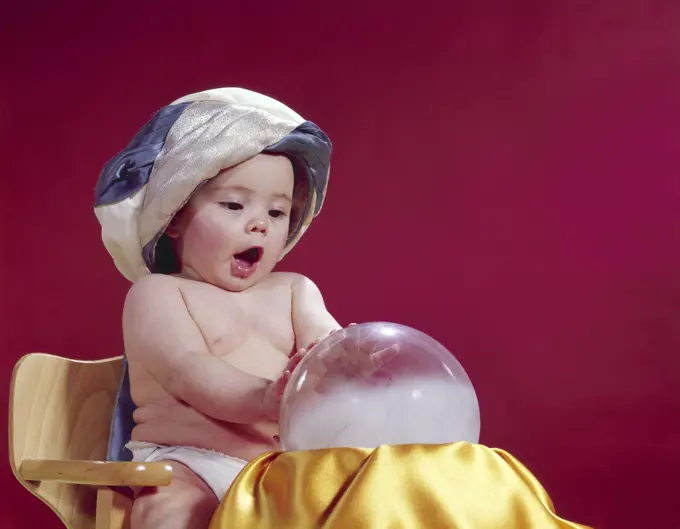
(173, 229)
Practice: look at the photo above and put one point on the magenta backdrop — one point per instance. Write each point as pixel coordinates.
(506, 178)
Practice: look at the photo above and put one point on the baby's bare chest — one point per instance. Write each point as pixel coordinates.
(252, 329)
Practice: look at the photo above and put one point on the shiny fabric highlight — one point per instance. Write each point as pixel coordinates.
(453, 486)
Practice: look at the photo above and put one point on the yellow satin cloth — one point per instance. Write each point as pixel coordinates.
(455, 486)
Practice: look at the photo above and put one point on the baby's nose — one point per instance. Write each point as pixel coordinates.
(257, 226)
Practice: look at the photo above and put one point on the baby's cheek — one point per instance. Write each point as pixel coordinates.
(279, 242)
(212, 237)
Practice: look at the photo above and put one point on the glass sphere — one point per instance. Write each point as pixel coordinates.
(378, 384)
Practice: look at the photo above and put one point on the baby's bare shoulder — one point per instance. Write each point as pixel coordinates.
(288, 278)
(155, 315)
(151, 285)
(151, 296)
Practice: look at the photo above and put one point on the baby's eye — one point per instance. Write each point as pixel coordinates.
(275, 213)
(233, 206)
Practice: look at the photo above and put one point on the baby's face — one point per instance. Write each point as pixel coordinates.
(234, 229)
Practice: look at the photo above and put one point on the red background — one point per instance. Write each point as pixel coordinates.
(506, 178)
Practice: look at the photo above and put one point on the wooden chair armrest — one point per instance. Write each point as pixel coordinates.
(98, 473)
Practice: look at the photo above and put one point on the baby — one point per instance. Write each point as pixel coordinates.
(197, 211)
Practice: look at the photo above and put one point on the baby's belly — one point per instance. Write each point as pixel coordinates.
(175, 424)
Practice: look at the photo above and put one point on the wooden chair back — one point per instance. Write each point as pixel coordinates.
(61, 409)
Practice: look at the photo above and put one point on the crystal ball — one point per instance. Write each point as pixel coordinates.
(378, 384)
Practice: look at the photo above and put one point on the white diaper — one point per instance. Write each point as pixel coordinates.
(218, 470)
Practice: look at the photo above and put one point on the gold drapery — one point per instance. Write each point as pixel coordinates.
(456, 486)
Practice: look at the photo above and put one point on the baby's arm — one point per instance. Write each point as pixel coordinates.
(161, 335)
(311, 319)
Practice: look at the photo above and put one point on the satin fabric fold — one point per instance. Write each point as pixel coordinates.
(453, 486)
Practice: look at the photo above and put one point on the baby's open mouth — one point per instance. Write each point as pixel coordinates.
(250, 256)
(244, 264)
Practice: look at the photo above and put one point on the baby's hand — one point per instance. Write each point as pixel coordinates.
(275, 390)
(354, 358)
(360, 356)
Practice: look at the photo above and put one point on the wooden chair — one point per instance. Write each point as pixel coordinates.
(59, 425)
